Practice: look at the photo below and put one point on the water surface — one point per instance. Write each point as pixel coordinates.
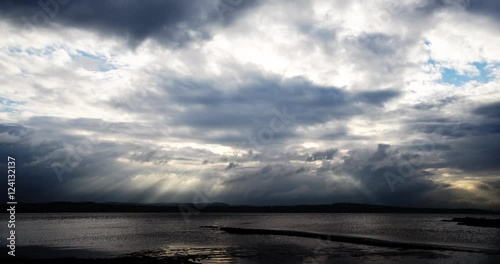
(99, 234)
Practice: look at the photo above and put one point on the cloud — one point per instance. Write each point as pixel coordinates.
(231, 165)
(322, 155)
(173, 23)
(490, 110)
(384, 102)
(490, 8)
(239, 113)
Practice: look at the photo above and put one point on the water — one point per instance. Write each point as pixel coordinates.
(121, 233)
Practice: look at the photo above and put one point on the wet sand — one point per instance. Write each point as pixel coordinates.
(356, 240)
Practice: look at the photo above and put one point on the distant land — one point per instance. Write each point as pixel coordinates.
(69, 207)
(481, 222)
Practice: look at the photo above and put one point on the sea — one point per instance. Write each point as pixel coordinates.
(198, 237)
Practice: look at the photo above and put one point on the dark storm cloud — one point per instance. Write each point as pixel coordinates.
(289, 184)
(33, 161)
(14, 130)
(428, 146)
(66, 127)
(273, 184)
(170, 22)
(484, 123)
(484, 7)
(430, 6)
(246, 110)
(436, 105)
(19, 147)
(322, 155)
(279, 182)
(231, 165)
(154, 156)
(469, 144)
(477, 155)
(377, 97)
(381, 152)
(490, 110)
(489, 8)
(60, 133)
(457, 129)
(488, 185)
(370, 167)
(88, 165)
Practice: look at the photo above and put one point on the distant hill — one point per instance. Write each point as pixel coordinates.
(225, 208)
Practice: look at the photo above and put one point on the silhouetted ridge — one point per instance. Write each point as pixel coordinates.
(225, 208)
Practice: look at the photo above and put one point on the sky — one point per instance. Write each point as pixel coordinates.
(253, 102)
